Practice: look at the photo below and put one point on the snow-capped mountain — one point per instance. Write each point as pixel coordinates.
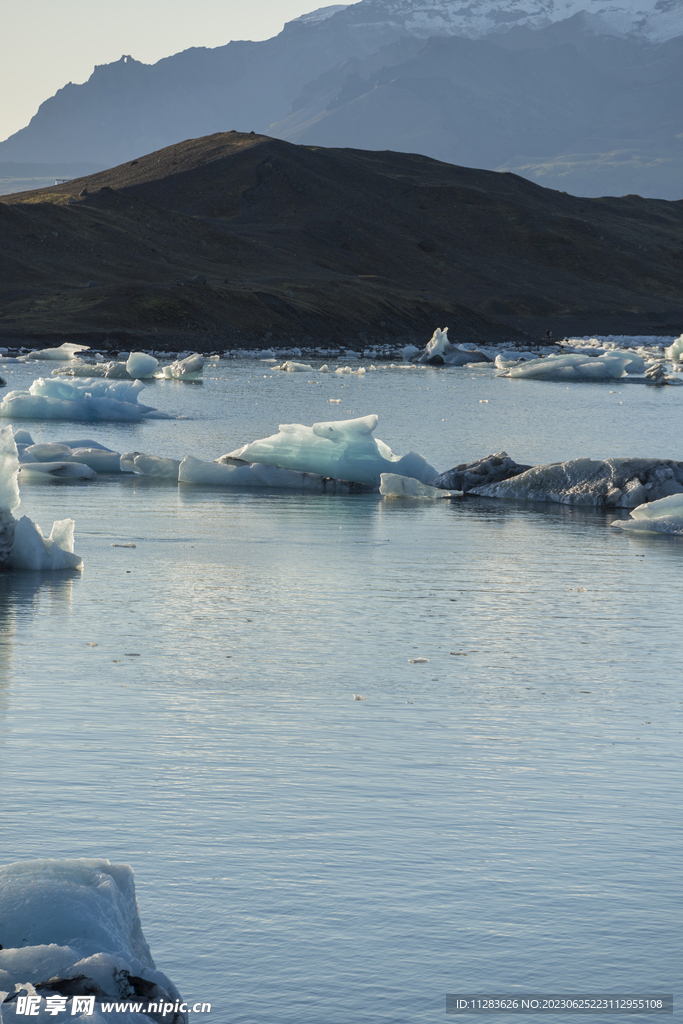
(654, 20)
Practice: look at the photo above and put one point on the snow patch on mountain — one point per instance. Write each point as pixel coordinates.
(653, 20)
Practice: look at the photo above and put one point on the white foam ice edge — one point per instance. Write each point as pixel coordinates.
(22, 543)
(72, 927)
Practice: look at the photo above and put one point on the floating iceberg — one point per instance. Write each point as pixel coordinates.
(88, 399)
(342, 449)
(65, 351)
(71, 929)
(141, 365)
(149, 465)
(662, 516)
(22, 544)
(440, 352)
(43, 472)
(576, 367)
(291, 367)
(190, 368)
(607, 483)
(231, 472)
(394, 486)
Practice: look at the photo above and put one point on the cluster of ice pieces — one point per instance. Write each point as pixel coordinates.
(138, 366)
(71, 930)
(662, 516)
(86, 400)
(22, 544)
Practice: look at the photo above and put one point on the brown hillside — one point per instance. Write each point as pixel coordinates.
(326, 245)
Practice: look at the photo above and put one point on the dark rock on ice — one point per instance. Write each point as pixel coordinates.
(470, 475)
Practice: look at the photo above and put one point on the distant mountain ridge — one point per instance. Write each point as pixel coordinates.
(575, 94)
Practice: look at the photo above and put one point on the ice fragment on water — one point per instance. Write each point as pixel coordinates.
(394, 486)
(357, 696)
(139, 364)
(66, 351)
(89, 399)
(418, 661)
(189, 368)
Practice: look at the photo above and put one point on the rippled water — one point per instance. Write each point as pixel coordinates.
(505, 816)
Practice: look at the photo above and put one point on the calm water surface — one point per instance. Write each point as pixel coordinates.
(504, 817)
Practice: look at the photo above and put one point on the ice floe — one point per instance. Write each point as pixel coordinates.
(440, 352)
(394, 486)
(342, 449)
(66, 351)
(88, 400)
(22, 544)
(189, 368)
(608, 483)
(149, 465)
(662, 516)
(72, 930)
(577, 367)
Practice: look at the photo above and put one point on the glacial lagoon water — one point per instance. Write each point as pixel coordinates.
(504, 817)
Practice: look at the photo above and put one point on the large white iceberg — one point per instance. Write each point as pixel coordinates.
(577, 367)
(662, 516)
(71, 930)
(343, 449)
(22, 544)
(66, 351)
(87, 400)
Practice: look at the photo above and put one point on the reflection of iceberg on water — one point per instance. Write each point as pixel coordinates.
(22, 544)
(71, 932)
(89, 399)
(343, 449)
(663, 516)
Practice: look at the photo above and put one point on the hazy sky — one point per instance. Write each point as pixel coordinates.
(46, 43)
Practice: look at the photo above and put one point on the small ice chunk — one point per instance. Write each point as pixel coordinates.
(675, 351)
(97, 459)
(140, 365)
(418, 661)
(189, 368)
(357, 696)
(335, 401)
(291, 367)
(124, 545)
(394, 486)
(440, 352)
(47, 452)
(42, 472)
(149, 465)
(324, 368)
(22, 436)
(346, 370)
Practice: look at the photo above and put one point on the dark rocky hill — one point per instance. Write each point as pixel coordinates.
(327, 246)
